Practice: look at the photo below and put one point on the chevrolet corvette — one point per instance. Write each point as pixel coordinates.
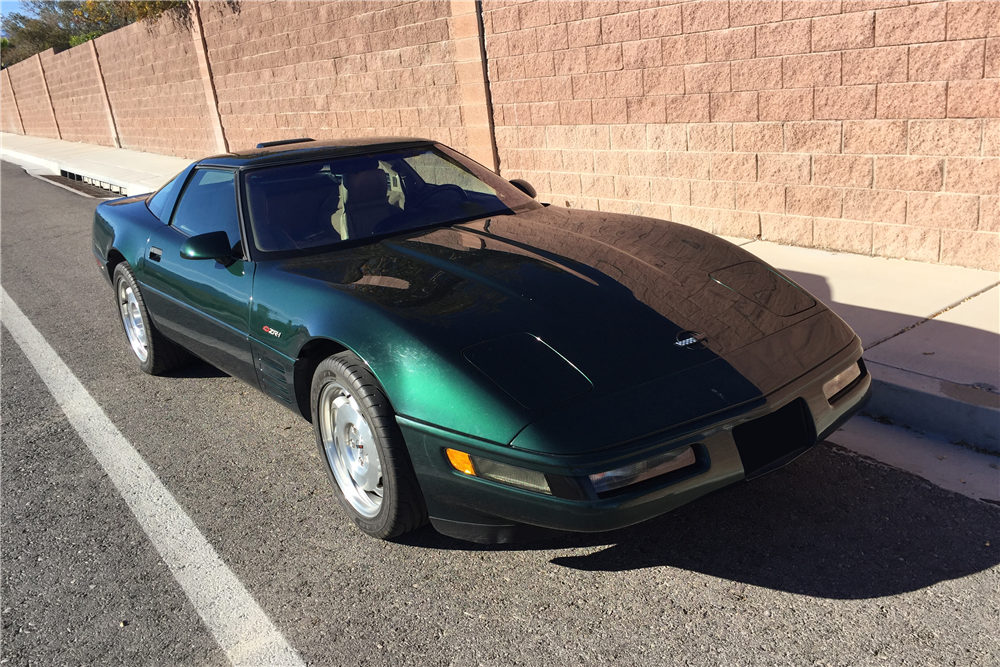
(468, 356)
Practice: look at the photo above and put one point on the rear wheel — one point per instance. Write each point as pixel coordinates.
(363, 448)
(154, 353)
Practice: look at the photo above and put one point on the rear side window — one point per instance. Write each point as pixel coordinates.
(208, 204)
(158, 203)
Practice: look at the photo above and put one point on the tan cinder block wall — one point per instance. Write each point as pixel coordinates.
(10, 120)
(868, 127)
(871, 127)
(156, 89)
(29, 88)
(77, 97)
(342, 69)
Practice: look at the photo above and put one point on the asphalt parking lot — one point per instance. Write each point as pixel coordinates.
(834, 560)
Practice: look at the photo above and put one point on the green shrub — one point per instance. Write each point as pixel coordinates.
(77, 40)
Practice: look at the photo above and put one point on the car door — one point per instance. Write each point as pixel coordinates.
(203, 304)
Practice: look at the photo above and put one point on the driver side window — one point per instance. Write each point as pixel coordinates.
(208, 204)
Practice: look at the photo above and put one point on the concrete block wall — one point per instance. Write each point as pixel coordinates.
(341, 69)
(868, 127)
(28, 84)
(156, 90)
(10, 119)
(77, 96)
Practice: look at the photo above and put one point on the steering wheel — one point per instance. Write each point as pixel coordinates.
(317, 238)
(431, 190)
(395, 222)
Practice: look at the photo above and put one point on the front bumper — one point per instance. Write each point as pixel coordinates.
(480, 510)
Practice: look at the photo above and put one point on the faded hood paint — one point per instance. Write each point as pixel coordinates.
(612, 294)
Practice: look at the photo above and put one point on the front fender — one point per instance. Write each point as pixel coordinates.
(425, 379)
(122, 225)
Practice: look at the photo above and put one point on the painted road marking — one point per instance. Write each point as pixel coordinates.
(234, 618)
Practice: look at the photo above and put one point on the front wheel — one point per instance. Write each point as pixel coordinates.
(154, 353)
(363, 448)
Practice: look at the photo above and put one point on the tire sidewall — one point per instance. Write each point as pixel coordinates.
(123, 274)
(380, 525)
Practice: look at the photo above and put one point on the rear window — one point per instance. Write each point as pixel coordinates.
(315, 204)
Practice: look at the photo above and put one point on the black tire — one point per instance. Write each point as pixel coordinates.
(162, 355)
(401, 507)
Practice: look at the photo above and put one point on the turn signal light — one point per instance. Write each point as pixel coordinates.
(460, 461)
(477, 466)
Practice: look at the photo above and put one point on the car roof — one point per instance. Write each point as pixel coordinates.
(310, 150)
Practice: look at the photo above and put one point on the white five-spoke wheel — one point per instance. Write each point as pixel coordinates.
(135, 330)
(350, 449)
(363, 448)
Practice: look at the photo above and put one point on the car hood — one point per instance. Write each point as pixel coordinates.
(562, 309)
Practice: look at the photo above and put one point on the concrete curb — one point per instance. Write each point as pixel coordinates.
(42, 173)
(956, 411)
(28, 160)
(56, 167)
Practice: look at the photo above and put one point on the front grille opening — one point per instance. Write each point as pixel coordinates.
(771, 441)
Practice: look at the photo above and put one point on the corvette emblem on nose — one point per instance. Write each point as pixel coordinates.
(691, 340)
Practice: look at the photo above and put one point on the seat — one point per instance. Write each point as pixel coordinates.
(287, 215)
(367, 204)
(331, 211)
(267, 236)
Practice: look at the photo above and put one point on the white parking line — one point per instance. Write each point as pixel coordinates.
(234, 618)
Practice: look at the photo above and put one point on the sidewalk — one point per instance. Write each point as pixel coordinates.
(131, 171)
(931, 332)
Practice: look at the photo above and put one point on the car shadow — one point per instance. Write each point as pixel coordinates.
(877, 326)
(860, 318)
(196, 369)
(831, 524)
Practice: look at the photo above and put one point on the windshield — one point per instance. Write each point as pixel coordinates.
(314, 204)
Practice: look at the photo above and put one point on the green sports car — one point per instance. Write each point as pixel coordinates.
(467, 355)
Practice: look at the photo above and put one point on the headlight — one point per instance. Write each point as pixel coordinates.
(833, 387)
(477, 466)
(643, 470)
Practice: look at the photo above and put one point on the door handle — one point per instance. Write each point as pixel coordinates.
(155, 253)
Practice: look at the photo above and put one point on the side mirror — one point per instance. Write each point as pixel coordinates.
(213, 245)
(525, 187)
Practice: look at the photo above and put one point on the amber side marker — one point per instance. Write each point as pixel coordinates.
(460, 461)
